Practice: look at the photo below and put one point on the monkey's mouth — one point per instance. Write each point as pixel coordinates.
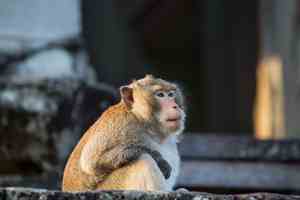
(173, 119)
(173, 124)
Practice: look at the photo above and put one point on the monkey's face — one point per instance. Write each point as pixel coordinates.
(158, 103)
(171, 115)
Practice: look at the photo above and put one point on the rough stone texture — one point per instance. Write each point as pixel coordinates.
(212, 147)
(40, 194)
(41, 121)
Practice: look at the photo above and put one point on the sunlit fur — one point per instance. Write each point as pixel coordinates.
(133, 121)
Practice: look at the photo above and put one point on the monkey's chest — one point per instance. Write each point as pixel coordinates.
(169, 152)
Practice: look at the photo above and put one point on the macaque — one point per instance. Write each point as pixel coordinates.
(133, 145)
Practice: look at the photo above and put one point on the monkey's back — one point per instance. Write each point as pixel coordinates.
(74, 179)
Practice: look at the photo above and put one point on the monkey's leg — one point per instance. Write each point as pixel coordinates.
(118, 157)
(142, 174)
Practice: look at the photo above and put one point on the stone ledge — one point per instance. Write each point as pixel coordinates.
(203, 146)
(42, 194)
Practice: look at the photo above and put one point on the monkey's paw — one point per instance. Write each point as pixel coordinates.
(165, 168)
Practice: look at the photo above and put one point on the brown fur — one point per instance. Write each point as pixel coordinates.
(110, 149)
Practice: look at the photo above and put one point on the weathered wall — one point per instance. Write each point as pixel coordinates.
(40, 122)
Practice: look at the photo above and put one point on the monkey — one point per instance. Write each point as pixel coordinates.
(133, 144)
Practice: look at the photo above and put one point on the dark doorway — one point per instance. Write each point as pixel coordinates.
(210, 47)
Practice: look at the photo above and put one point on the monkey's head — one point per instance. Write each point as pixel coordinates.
(156, 102)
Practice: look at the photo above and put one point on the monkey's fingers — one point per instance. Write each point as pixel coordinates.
(165, 168)
(102, 172)
(99, 179)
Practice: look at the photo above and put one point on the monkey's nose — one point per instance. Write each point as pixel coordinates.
(172, 104)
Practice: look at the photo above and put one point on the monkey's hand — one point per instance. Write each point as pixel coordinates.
(99, 165)
(102, 172)
(165, 168)
(163, 165)
(133, 152)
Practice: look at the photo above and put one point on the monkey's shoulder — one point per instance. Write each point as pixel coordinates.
(116, 116)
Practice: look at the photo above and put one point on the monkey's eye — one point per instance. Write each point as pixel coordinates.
(160, 94)
(171, 94)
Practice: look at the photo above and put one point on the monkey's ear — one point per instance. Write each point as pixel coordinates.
(126, 95)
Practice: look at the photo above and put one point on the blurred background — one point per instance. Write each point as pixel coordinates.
(62, 61)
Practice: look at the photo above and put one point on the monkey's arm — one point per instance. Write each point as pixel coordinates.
(101, 162)
(124, 154)
(163, 165)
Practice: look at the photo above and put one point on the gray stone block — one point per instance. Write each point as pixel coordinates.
(201, 146)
